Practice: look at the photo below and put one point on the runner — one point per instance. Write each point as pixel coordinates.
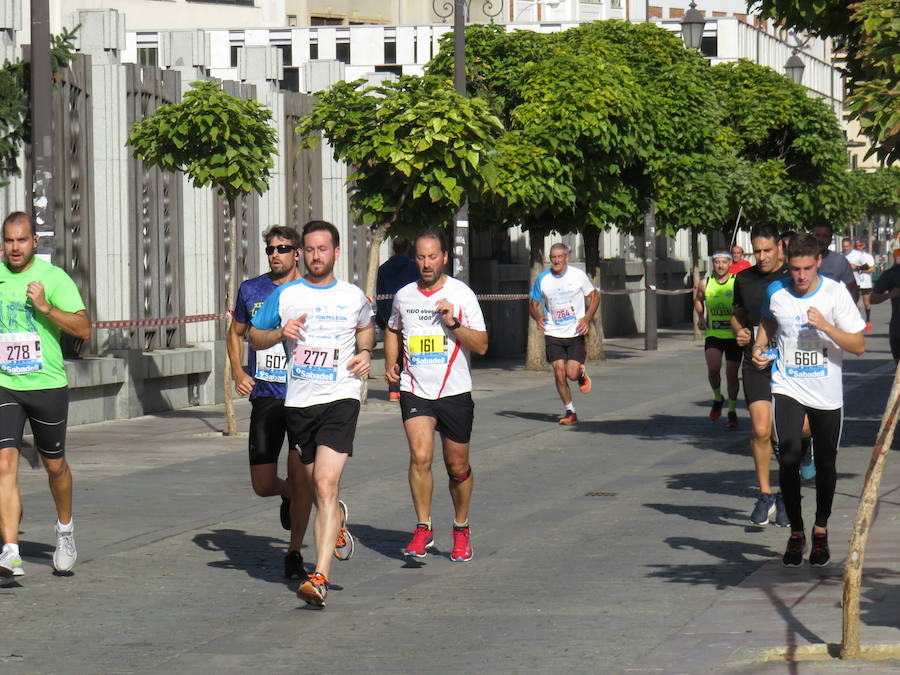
(749, 292)
(863, 264)
(714, 306)
(888, 288)
(834, 266)
(266, 389)
(738, 262)
(814, 321)
(400, 269)
(439, 322)
(327, 326)
(557, 307)
(37, 302)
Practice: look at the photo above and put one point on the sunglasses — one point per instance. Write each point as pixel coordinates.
(281, 248)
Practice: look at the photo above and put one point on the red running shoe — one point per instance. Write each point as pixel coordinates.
(868, 326)
(393, 396)
(462, 549)
(422, 540)
(568, 418)
(732, 420)
(716, 411)
(584, 383)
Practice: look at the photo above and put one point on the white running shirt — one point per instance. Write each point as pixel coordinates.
(317, 366)
(859, 258)
(563, 298)
(809, 363)
(435, 365)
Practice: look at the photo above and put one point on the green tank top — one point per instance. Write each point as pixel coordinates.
(719, 308)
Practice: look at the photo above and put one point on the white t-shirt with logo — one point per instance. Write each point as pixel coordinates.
(435, 365)
(809, 364)
(317, 363)
(859, 258)
(563, 297)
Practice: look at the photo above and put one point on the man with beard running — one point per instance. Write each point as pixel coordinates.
(749, 293)
(327, 326)
(439, 321)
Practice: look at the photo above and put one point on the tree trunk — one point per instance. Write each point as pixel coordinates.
(230, 421)
(591, 237)
(535, 356)
(695, 278)
(867, 501)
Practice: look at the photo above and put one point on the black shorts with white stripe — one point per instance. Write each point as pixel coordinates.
(47, 410)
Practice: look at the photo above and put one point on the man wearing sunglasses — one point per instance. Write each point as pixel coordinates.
(264, 382)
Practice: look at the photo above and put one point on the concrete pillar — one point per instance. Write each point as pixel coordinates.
(102, 37)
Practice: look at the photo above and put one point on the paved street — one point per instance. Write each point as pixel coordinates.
(621, 544)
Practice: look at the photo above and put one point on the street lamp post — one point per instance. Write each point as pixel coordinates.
(794, 68)
(693, 23)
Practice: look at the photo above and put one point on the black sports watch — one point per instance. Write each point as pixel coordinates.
(455, 325)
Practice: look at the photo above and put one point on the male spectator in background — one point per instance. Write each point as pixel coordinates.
(38, 301)
(398, 271)
(834, 266)
(888, 288)
(863, 264)
(738, 262)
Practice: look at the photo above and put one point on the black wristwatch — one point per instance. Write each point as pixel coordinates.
(456, 325)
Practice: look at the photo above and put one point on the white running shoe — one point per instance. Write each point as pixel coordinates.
(11, 564)
(65, 554)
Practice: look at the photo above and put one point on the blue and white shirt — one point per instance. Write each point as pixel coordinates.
(809, 363)
(563, 297)
(267, 366)
(317, 364)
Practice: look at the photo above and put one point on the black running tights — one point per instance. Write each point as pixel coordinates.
(826, 433)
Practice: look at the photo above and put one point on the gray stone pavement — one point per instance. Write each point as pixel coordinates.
(618, 545)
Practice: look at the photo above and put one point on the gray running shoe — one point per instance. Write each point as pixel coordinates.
(781, 516)
(65, 554)
(764, 510)
(11, 564)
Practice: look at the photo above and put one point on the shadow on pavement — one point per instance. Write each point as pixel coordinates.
(533, 416)
(714, 515)
(35, 549)
(389, 543)
(260, 557)
(880, 597)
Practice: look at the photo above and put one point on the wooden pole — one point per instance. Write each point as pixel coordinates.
(867, 501)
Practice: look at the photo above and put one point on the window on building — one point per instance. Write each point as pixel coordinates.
(396, 70)
(313, 51)
(325, 21)
(342, 52)
(291, 19)
(615, 4)
(148, 56)
(291, 81)
(390, 52)
(710, 46)
(234, 55)
(287, 54)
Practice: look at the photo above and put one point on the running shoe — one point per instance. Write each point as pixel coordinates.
(462, 548)
(568, 418)
(422, 539)
(732, 422)
(285, 513)
(293, 566)
(793, 554)
(584, 382)
(716, 411)
(868, 326)
(343, 548)
(65, 554)
(807, 460)
(764, 509)
(11, 564)
(820, 555)
(314, 590)
(394, 396)
(781, 516)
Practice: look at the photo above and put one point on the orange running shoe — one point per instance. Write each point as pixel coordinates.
(568, 418)
(314, 590)
(394, 396)
(343, 549)
(584, 382)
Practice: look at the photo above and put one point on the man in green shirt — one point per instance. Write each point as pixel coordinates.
(37, 302)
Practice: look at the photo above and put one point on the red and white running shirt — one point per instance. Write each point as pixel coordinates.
(435, 365)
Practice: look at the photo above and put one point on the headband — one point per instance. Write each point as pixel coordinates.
(721, 255)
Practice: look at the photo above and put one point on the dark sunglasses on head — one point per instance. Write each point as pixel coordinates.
(281, 248)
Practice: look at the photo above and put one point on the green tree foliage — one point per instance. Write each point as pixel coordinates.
(13, 113)
(217, 140)
(869, 33)
(417, 150)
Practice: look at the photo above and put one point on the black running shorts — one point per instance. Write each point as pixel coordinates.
(454, 414)
(727, 346)
(332, 424)
(565, 349)
(267, 430)
(46, 409)
(757, 383)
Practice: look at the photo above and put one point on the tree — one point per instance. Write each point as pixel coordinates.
(417, 149)
(869, 33)
(13, 115)
(218, 141)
